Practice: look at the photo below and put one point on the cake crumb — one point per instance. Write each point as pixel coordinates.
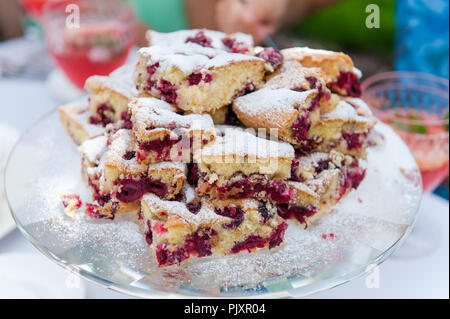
(71, 203)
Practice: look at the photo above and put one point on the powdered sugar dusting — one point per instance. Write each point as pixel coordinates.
(147, 113)
(123, 141)
(243, 144)
(205, 217)
(119, 80)
(346, 112)
(94, 148)
(303, 188)
(79, 113)
(273, 101)
(180, 37)
(168, 165)
(293, 75)
(190, 57)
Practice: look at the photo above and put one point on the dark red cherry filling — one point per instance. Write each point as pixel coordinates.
(161, 147)
(228, 42)
(240, 189)
(295, 212)
(251, 242)
(301, 127)
(201, 39)
(314, 83)
(149, 234)
(348, 82)
(71, 198)
(168, 91)
(248, 87)
(193, 174)
(126, 118)
(295, 176)
(194, 207)
(277, 235)
(353, 176)
(93, 211)
(236, 213)
(166, 257)
(306, 147)
(102, 199)
(155, 186)
(321, 166)
(354, 140)
(131, 190)
(271, 56)
(199, 243)
(151, 69)
(231, 118)
(279, 192)
(129, 155)
(196, 77)
(235, 46)
(101, 116)
(276, 190)
(264, 212)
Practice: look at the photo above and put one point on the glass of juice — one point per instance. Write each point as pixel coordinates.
(87, 37)
(416, 106)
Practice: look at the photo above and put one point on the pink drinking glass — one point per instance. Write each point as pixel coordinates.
(416, 106)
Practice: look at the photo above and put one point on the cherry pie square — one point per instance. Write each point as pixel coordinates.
(195, 78)
(110, 95)
(177, 231)
(341, 75)
(163, 135)
(74, 118)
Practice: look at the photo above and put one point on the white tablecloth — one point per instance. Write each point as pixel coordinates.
(421, 274)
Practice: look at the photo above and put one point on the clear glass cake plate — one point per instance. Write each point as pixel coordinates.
(362, 231)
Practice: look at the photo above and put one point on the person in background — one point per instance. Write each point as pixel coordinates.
(260, 18)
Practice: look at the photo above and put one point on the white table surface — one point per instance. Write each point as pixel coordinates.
(422, 274)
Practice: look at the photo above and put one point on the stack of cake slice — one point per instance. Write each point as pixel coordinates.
(151, 142)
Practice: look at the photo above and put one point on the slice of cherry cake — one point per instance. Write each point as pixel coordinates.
(110, 95)
(290, 112)
(341, 75)
(195, 78)
(178, 231)
(292, 75)
(164, 135)
(330, 176)
(118, 181)
(345, 129)
(234, 43)
(241, 165)
(74, 117)
(93, 153)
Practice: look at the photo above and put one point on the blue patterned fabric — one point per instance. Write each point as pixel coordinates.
(422, 36)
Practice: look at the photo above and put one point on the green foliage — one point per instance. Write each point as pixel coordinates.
(343, 24)
(446, 125)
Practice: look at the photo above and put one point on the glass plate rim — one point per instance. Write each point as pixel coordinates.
(154, 293)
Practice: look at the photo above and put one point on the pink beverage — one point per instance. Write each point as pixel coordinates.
(427, 137)
(99, 45)
(415, 105)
